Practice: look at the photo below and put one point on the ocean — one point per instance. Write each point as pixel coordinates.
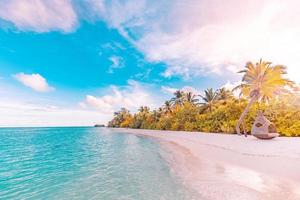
(85, 163)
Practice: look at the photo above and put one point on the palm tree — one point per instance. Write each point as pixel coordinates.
(260, 82)
(179, 98)
(167, 107)
(209, 98)
(224, 94)
(119, 117)
(191, 98)
(144, 109)
(156, 114)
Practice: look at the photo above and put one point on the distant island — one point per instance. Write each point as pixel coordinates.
(99, 125)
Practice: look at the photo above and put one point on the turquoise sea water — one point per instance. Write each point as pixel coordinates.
(84, 163)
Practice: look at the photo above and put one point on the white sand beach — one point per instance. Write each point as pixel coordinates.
(220, 166)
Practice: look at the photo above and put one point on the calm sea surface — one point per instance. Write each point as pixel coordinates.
(84, 163)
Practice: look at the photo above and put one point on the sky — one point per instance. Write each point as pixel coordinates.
(73, 62)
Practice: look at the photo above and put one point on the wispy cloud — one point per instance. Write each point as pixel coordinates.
(209, 37)
(117, 62)
(220, 39)
(18, 113)
(143, 75)
(231, 85)
(39, 15)
(168, 90)
(193, 38)
(131, 96)
(118, 13)
(22, 108)
(114, 46)
(171, 90)
(34, 81)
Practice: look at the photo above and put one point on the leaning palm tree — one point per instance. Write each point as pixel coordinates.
(261, 82)
(209, 99)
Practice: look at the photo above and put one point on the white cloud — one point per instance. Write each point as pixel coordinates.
(105, 104)
(210, 36)
(34, 81)
(190, 89)
(221, 39)
(17, 113)
(231, 85)
(170, 90)
(119, 13)
(39, 15)
(117, 63)
(143, 75)
(193, 38)
(20, 108)
(131, 97)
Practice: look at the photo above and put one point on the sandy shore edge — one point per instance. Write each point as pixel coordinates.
(232, 167)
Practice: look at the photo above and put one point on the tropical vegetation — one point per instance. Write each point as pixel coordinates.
(263, 87)
(261, 82)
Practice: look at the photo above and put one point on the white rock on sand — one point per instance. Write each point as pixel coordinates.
(220, 166)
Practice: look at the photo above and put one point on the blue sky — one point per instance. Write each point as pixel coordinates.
(74, 62)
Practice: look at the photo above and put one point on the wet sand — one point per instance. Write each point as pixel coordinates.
(220, 166)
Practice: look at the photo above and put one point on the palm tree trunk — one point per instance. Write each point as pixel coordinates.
(252, 100)
(244, 130)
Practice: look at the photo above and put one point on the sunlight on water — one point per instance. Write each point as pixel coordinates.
(84, 163)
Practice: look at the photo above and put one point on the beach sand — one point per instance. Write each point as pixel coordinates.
(221, 166)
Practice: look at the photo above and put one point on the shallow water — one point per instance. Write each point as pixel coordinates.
(84, 163)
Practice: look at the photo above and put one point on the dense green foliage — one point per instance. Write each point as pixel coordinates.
(218, 111)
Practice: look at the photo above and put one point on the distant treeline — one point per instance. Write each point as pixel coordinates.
(215, 111)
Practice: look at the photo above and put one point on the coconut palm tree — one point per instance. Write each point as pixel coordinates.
(261, 82)
(191, 98)
(156, 114)
(178, 98)
(144, 109)
(119, 117)
(224, 94)
(167, 107)
(209, 99)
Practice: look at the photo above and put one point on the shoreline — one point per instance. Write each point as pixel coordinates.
(230, 166)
